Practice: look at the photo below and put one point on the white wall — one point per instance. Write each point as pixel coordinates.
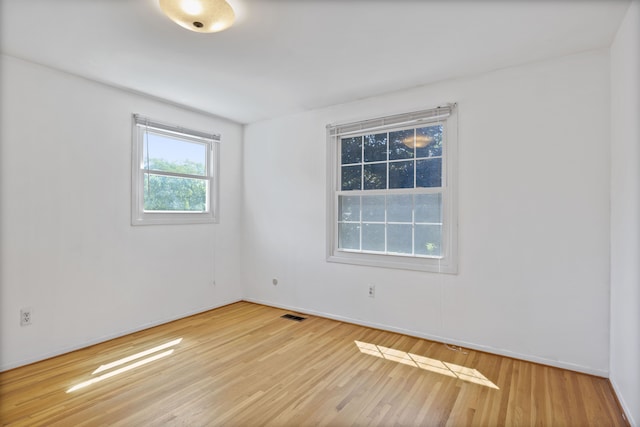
(625, 213)
(533, 276)
(68, 249)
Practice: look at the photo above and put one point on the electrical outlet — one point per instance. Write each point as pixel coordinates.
(372, 291)
(25, 317)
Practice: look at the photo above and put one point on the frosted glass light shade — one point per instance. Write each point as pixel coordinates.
(202, 16)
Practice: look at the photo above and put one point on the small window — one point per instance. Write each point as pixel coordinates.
(174, 177)
(391, 191)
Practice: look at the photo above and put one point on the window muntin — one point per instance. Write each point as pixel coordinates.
(410, 158)
(392, 199)
(400, 159)
(174, 171)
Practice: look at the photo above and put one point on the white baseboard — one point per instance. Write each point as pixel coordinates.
(108, 337)
(474, 346)
(465, 344)
(623, 403)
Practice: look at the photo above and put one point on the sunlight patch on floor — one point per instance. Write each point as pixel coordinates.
(128, 359)
(426, 363)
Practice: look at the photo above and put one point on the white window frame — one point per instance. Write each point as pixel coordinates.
(139, 216)
(447, 262)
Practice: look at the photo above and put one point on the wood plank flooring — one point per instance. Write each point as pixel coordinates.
(243, 365)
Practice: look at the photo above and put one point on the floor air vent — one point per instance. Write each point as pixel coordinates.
(292, 317)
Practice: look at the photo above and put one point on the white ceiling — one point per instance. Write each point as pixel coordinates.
(287, 56)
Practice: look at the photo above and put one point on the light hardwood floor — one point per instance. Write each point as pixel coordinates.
(243, 365)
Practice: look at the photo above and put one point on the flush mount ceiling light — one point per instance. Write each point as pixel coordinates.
(202, 16)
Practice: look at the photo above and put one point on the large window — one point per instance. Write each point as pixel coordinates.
(173, 174)
(392, 191)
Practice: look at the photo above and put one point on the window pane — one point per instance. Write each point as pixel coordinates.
(349, 236)
(399, 238)
(428, 208)
(401, 174)
(401, 144)
(375, 176)
(352, 177)
(351, 150)
(400, 208)
(373, 237)
(349, 208)
(162, 153)
(373, 208)
(428, 240)
(375, 147)
(428, 173)
(169, 193)
(429, 141)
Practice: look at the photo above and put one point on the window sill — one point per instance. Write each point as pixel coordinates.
(174, 219)
(434, 265)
